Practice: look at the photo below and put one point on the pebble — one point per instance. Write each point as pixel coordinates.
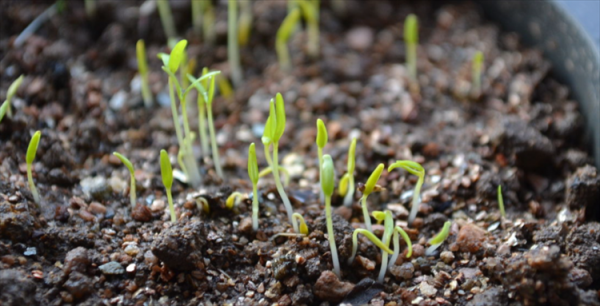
(329, 288)
(366, 263)
(131, 268)
(132, 249)
(141, 213)
(77, 260)
(112, 268)
(117, 184)
(96, 187)
(360, 38)
(149, 258)
(470, 238)
(404, 271)
(245, 225)
(158, 205)
(86, 216)
(118, 100)
(97, 208)
(427, 289)
(30, 251)
(447, 257)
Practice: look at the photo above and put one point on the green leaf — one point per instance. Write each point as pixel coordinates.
(3, 109)
(252, 164)
(280, 117)
(125, 161)
(211, 91)
(164, 58)
(328, 176)
(270, 126)
(288, 25)
(12, 90)
(352, 156)
(321, 134)
(411, 32)
(372, 181)
(439, 238)
(177, 55)
(166, 170)
(378, 215)
(410, 166)
(32, 149)
(343, 187)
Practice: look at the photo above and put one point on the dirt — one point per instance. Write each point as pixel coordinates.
(86, 245)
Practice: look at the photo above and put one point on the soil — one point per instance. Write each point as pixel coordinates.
(85, 245)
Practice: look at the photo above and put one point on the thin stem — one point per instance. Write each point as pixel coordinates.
(232, 43)
(254, 207)
(365, 211)
(166, 18)
(213, 141)
(350, 194)
(146, 92)
(202, 124)
(209, 21)
(320, 153)
(132, 196)
(171, 207)
(331, 237)
(197, 16)
(416, 200)
(32, 188)
(175, 114)
(411, 60)
(280, 190)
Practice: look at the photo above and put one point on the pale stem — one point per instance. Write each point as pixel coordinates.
(365, 211)
(383, 269)
(350, 195)
(280, 190)
(396, 242)
(232, 43)
(197, 16)
(175, 115)
(146, 93)
(254, 207)
(132, 197)
(202, 125)
(171, 207)
(313, 37)
(213, 141)
(411, 60)
(34, 191)
(283, 54)
(166, 18)
(320, 153)
(331, 237)
(415, 201)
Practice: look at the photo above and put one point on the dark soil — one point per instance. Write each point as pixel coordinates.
(86, 245)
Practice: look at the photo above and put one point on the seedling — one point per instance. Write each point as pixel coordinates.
(233, 49)
(209, 23)
(437, 241)
(321, 142)
(202, 113)
(202, 203)
(310, 12)
(501, 202)
(253, 175)
(396, 241)
(283, 35)
(388, 226)
(302, 227)
(284, 171)
(166, 18)
(477, 66)
(225, 87)
(10, 93)
(274, 129)
(371, 237)
(167, 177)
(233, 199)
(349, 194)
(416, 169)
(327, 184)
(31, 150)
(197, 12)
(140, 49)
(129, 166)
(411, 39)
(245, 24)
(368, 189)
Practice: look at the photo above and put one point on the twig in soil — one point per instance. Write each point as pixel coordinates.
(31, 150)
(129, 165)
(303, 228)
(253, 175)
(166, 18)
(233, 49)
(321, 142)
(439, 239)
(477, 66)
(327, 184)
(367, 189)
(283, 35)
(36, 24)
(10, 93)
(140, 49)
(501, 202)
(416, 169)
(388, 225)
(166, 172)
(411, 39)
(348, 193)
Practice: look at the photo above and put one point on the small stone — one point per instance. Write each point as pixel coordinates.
(404, 271)
(78, 285)
(97, 208)
(157, 205)
(30, 251)
(245, 225)
(96, 188)
(360, 38)
(112, 268)
(150, 259)
(117, 184)
(77, 260)
(427, 289)
(344, 212)
(131, 268)
(329, 288)
(583, 188)
(274, 291)
(365, 263)
(132, 250)
(470, 238)
(86, 216)
(447, 257)
(141, 213)
(118, 100)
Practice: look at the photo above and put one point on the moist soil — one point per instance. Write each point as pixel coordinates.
(85, 245)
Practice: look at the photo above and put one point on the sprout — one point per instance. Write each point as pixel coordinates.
(477, 65)
(411, 39)
(253, 175)
(202, 114)
(310, 11)
(245, 24)
(90, 8)
(209, 23)
(233, 50)
(31, 150)
(283, 35)
(501, 202)
(396, 241)
(327, 184)
(416, 169)
(286, 173)
(368, 189)
(233, 199)
(167, 177)
(10, 93)
(349, 195)
(129, 166)
(303, 227)
(371, 237)
(321, 142)
(274, 128)
(224, 87)
(387, 236)
(197, 11)
(202, 203)
(436, 241)
(166, 18)
(140, 49)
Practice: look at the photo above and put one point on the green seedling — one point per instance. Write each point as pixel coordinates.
(327, 184)
(286, 174)
(140, 49)
(202, 204)
(368, 189)
(415, 169)
(388, 226)
(274, 128)
(253, 175)
(302, 227)
(477, 66)
(233, 49)
(245, 24)
(321, 142)
(167, 177)
(349, 189)
(225, 87)
(437, 241)
(90, 8)
(233, 199)
(310, 12)
(166, 18)
(501, 202)
(10, 93)
(202, 114)
(411, 39)
(371, 237)
(283, 35)
(209, 23)
(31, 150)
(396, 241)
(197, 12)
(129, 166)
